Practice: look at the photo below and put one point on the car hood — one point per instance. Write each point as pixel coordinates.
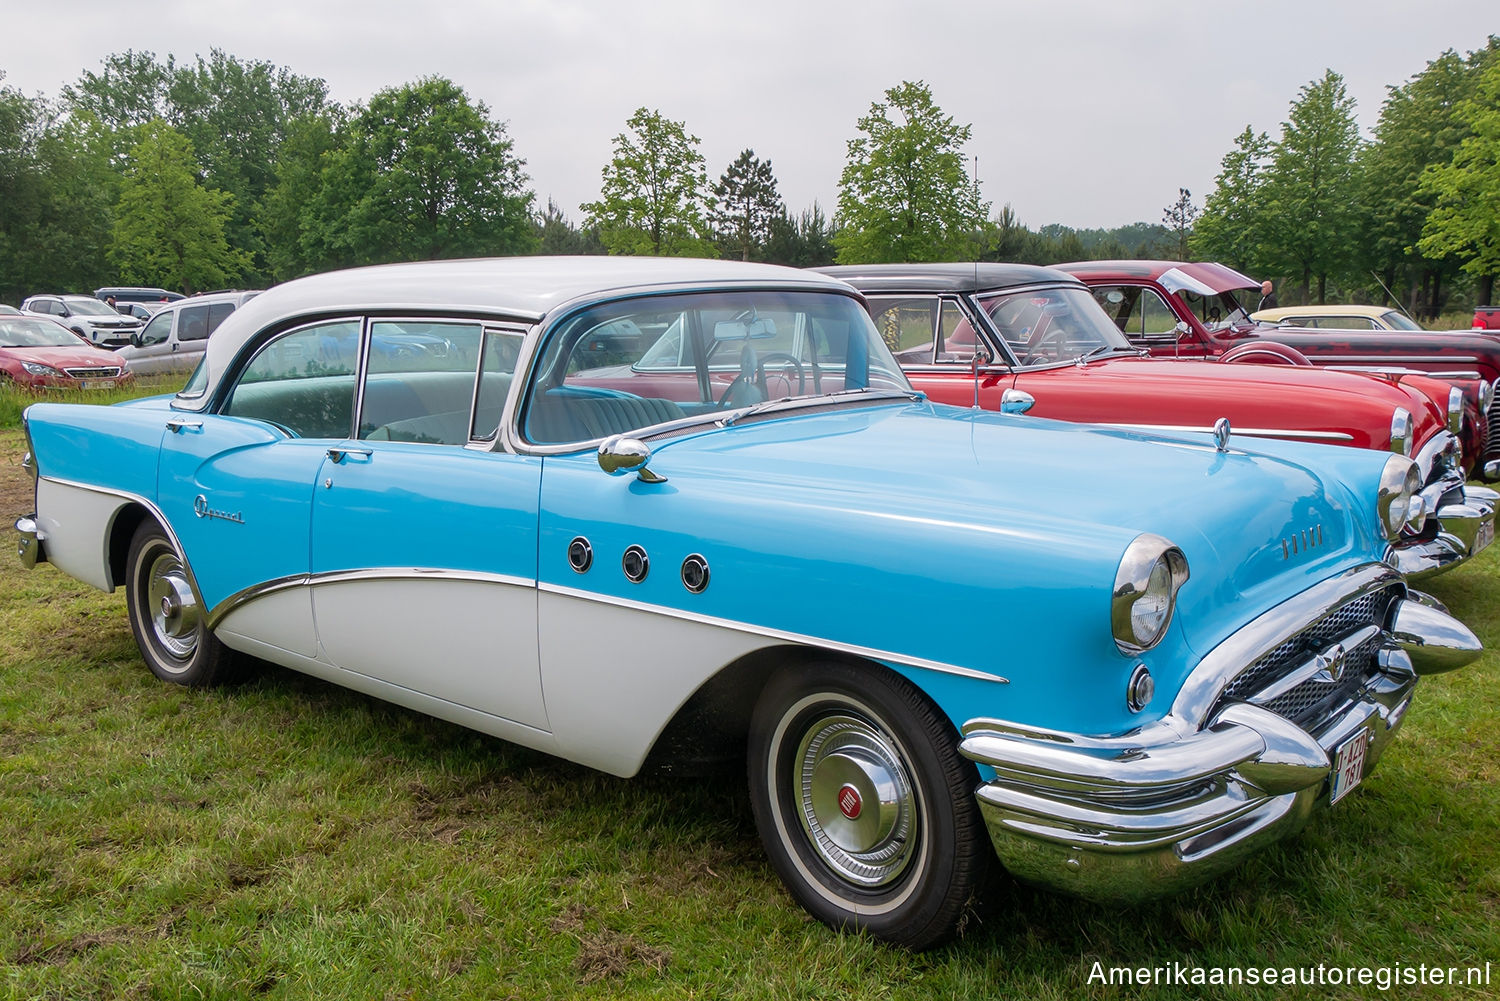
(1258, 523)
(1192, 393)
(65, 357)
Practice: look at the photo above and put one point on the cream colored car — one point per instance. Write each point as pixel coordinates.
(1337, 317)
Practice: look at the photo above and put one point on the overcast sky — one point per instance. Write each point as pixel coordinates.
(1084, 112)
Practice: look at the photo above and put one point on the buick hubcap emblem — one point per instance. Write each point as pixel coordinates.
(850, 804)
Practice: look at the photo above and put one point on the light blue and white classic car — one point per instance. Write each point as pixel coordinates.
(1122, 660)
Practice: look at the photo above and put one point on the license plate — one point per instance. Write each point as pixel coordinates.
(96, 384)
(1485, 537)
(1349, 765)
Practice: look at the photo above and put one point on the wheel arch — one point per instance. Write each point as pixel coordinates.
(1264, 353)
(709, 730)
(121, 530)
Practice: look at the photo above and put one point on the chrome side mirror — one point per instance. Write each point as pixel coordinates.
(619, 455)
(1016, 401)
(1182, 329)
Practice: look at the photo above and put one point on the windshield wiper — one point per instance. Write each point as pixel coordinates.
(843, 394)
(1101, 349)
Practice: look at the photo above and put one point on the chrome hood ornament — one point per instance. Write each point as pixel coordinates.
(1221, 434)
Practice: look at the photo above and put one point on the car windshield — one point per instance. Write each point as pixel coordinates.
(1398, 321)
(90, 307)
(628, 365)
(24, 332)
(1221, 310)
(1043, 326)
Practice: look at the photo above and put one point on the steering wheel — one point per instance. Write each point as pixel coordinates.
(1050, 346)
(782, 358)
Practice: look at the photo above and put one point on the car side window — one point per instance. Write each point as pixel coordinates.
(194, 323)
(158, 329)
(1137, 312)
(217, 313)
(302, 380)
(957, 340)
(420, 381)
(906, 324)
(497, 368)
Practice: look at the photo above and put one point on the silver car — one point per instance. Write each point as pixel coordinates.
(174, 338)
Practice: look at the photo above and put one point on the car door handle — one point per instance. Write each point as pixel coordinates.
(339, 454)
(178, 426)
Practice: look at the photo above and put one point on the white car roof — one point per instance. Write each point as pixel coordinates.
(525, 289)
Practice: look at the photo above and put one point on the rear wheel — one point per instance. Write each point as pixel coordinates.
(166, 616)
(864, 804)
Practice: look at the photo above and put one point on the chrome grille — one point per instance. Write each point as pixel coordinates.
(1316, 699)
(93, 373)
(1492, 447)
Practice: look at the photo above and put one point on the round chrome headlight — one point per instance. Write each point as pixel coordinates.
(1145, 593)
(1455, 410)
(1401, 431)
(1399, 483)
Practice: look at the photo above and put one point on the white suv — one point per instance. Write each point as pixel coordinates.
(94, 321)
(174, 338)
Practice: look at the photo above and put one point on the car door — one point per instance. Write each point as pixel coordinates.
(151, 354)
(237, 485)
(423, 544)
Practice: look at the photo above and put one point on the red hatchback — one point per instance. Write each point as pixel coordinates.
(38, 353)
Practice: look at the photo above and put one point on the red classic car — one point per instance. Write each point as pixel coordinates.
(1198, 311)
(1027, 339)
(40, 353)
(1487, 318)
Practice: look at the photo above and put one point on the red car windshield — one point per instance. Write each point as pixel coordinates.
(26, 332)
(1220, 310)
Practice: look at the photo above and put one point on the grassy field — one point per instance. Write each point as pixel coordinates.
(288, 839)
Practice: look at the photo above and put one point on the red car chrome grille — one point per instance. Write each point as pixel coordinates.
(93, 373)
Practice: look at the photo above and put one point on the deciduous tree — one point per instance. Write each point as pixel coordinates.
(425, 174)
(169, 228)
(1309, 188)
(652, 199)
(904, 194)
(1231, 228)
(1466, 219)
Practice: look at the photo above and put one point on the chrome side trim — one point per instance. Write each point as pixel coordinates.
(246, 595)
(775, 634)
(1386, 360)
(1253, 432)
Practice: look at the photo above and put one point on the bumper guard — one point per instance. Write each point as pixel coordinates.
(1154, 811)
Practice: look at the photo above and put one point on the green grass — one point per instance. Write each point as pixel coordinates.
(289, 839)
(14, 399)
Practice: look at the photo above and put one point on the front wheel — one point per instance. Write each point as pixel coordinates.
(166, 617)
(864, 804)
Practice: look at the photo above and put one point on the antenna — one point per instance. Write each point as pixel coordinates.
(1393, 297)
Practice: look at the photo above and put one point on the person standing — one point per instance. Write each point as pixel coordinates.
(1267, 296)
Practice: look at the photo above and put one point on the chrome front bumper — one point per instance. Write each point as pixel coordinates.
(1151, 812)
(1465, 518)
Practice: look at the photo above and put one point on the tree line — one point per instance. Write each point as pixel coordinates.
(1412, 212)
(228, 173)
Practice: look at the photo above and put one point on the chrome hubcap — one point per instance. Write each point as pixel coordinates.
(856, 800)
(174, 610)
